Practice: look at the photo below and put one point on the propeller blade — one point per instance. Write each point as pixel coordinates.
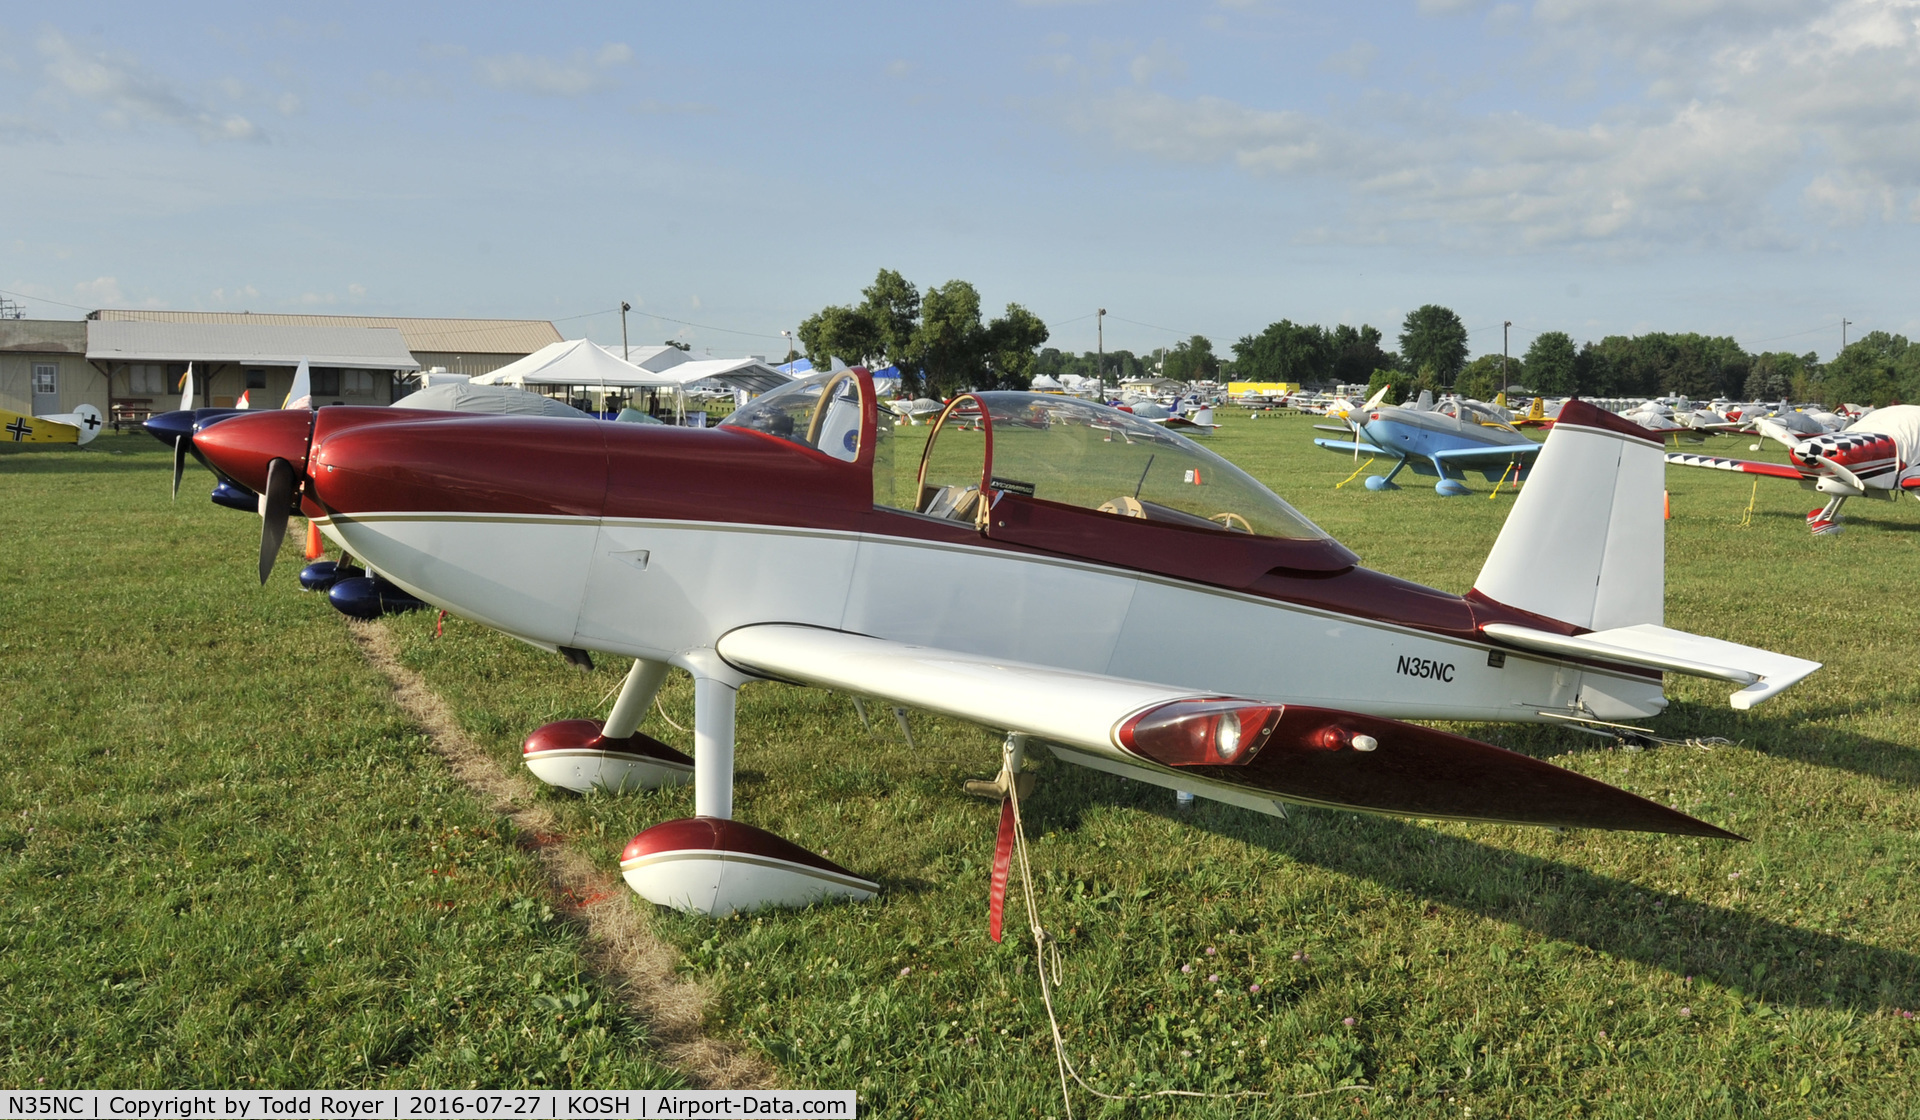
(1842, 473)
(179, 461)
(274, 512)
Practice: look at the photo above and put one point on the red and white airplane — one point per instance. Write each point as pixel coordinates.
(1873, 458)
(1085, 581)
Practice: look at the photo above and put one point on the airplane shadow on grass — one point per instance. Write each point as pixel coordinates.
(1759, 958)
(1852, 517)
(1805, 736)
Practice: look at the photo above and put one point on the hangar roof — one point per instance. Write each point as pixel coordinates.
(257, 344)
(439, 336)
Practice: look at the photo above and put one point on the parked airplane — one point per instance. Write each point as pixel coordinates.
(76, 427)
(1436, 444)
(1875, 458)
(1251, 659)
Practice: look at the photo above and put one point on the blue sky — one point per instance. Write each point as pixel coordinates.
(1596, 167)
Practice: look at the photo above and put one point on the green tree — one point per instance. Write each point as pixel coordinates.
(1870, 371)
(846, 333)
(893, 304)
(1481, 379)
(1770, 378)
(1399, 379)
(1433, 337)
(1285, 351)
(1011, 342)
(1550, 364)
(1357, 353)
(1192, 360)
(950, 346)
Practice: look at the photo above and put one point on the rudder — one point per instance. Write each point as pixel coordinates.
(1585, 543)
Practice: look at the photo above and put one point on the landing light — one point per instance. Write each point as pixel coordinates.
(1200, 732)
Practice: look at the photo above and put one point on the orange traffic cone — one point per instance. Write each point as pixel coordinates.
(316, 548)
(1666, 505)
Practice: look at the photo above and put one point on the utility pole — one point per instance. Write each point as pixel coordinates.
(1100, 334)
(1843, 334)
(626, 355)
(1504, 328)
(788, 335)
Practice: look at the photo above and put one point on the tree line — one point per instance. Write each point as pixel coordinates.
(941, 344)
(936, 339)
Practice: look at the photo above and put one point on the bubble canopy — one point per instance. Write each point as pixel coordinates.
(1077, 453)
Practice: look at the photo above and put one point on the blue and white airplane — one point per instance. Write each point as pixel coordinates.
(1436, 444)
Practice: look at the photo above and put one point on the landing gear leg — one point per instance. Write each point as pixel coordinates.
(1826, 519)
(1379, 482)
(711, 863)
(584, 754)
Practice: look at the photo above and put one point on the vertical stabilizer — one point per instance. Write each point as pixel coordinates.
(1586, 541)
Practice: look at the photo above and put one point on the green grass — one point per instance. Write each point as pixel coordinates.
(1510, 971)
(226, 859)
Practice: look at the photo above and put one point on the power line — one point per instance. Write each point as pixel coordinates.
(1795, 334)
(1151, 326)
(704, 327)
(43, 299)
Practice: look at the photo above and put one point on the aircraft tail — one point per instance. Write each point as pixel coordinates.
(1586, 545)
(1586, 541)
(1776, 431)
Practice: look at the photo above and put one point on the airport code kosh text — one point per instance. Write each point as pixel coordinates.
(465, 1104)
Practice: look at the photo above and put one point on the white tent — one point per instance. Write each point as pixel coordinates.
(577, 362)
(750, 374)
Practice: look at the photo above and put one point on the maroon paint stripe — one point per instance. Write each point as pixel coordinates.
(1581, 414)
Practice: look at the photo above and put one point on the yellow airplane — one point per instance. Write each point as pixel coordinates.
(78, 426)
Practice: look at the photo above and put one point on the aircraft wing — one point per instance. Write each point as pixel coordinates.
(18, 428)
(1647, 646)
(1747, 466)
(1352, 445)
(1469, 458)
(1179, 737)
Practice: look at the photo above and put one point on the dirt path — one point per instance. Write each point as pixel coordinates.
(620, 945)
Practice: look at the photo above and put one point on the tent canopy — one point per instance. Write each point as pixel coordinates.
(751, 374)
(578, 362)
(462, 396)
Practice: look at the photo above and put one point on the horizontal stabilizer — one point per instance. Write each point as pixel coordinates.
(1675, 651)
(1169, 736)
(1744, 466)
(1350, 445)
(1476, 456)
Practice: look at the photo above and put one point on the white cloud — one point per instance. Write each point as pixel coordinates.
(1155, 61)
(23, 130)
(130, 94)
(1354, 60)
(1742, 106)
(103, 292)
(580, 73)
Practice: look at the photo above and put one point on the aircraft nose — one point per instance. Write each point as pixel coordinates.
(242, 447)
(169, 426)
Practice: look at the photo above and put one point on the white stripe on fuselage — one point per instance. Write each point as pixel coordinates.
(646, 588)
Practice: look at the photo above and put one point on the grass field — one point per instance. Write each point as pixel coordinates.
(224, 853)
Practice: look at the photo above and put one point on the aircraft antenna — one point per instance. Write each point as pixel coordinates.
(1143, 476)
